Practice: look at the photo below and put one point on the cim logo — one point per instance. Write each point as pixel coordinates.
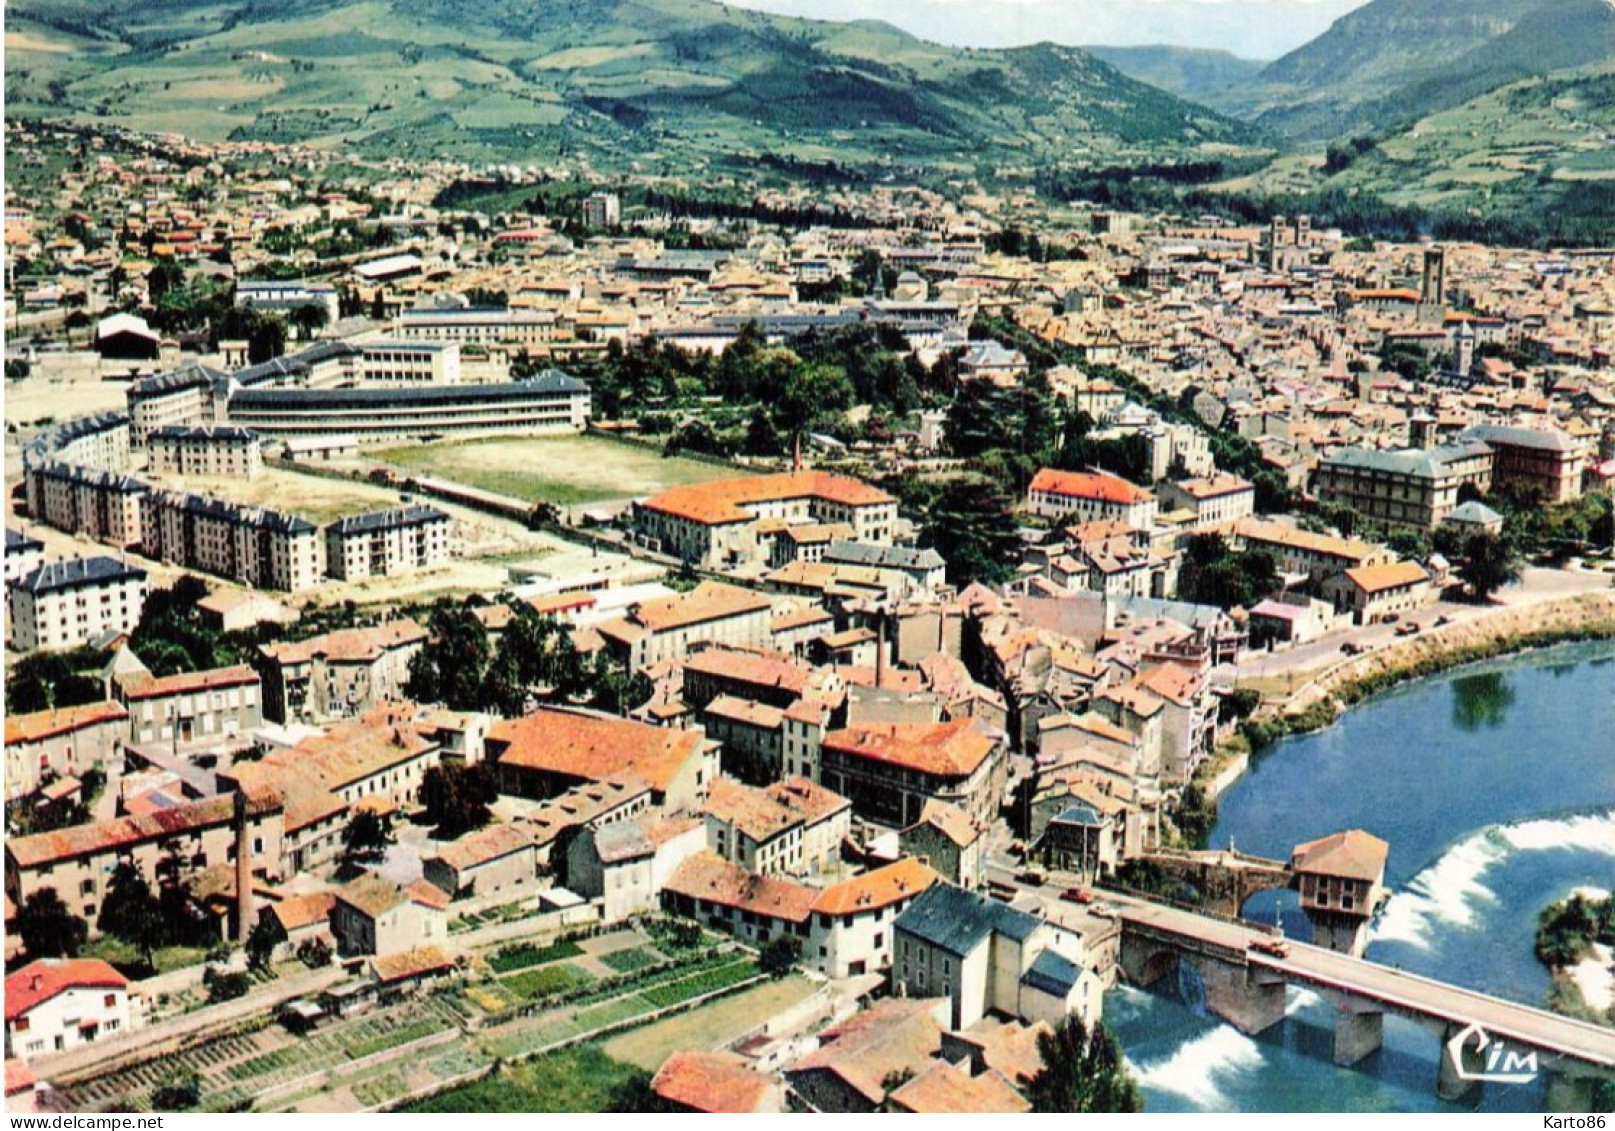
(1499, 1063)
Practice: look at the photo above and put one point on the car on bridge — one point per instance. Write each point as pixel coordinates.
(1273, 948)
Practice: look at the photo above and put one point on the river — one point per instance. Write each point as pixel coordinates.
(1495, 786)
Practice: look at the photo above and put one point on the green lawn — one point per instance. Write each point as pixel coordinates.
(131, 962)
(566, 470)
(578, 1079)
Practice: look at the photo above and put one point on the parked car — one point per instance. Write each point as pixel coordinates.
(1077, 895)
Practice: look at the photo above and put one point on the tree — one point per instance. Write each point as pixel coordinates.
(262, 941)
(779, 957)
(1490, 562)
(449, 668)
(180, 923)
(130, 911)
(366, 839)
(1082, 1073)
(47, 928)
(225, 985)
(457, 797)
(309, 319)
(971, 527)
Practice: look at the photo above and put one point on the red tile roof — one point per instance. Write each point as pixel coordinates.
(711, 1082)
(186, 683)
(594, 748)
(1090, 485)
(883, 887)
(40, 981)
(349, 645)
(40, 725)
(710, 877)
(104, 836)
(725, 500)
(951, 749)
(1354, 854)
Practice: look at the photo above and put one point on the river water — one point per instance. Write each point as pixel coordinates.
(1495, 786)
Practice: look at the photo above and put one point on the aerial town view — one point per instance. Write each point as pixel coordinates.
(795, 556)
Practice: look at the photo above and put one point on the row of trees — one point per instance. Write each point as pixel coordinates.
(533, 662)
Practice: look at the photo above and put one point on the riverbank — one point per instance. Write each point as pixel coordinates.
(1501, 631)
(1583, 982)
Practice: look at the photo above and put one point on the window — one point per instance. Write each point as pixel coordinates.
(20, 1025)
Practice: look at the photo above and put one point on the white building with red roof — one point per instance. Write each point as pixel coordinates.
(55, 1004)
(729, 521)
(1090, 496)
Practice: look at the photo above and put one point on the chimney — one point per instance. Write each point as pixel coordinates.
(243, 870)
(880, 648)
(37, 982)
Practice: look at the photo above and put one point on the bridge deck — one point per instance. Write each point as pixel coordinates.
(1398, 990)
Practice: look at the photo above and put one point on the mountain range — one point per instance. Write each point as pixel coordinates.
(670, 81)
(1392, 62)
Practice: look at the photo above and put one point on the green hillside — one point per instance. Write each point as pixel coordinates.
(644, 82)
(1393, 62)
(1198, 75)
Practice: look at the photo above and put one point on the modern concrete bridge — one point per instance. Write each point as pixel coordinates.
(1482, 1037)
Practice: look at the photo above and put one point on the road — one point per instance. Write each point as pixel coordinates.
(1535, 586)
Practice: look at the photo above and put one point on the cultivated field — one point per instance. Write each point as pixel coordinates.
(708, 1027)
(566, 470)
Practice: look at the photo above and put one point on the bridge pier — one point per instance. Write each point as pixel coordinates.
(1341, 932)
(1571, 1094)
(1357, 1034)
(1234, 994)
(1454, 1085)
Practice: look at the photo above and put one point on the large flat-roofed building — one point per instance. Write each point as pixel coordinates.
(339, 674)
(890, 771)
(254, 546)
(286, 295)
(103, 505)
(1537, 463)
(734, 520)
(1404, 488)
(221, 452)
(667, 627)
(409, 363)
(479, 325)
(65, 604)
(385, 543)
(552, 402)
(1090, 496)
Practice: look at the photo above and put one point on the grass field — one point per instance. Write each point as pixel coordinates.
(578, 1079)
(709, 1026)
(566, 470)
